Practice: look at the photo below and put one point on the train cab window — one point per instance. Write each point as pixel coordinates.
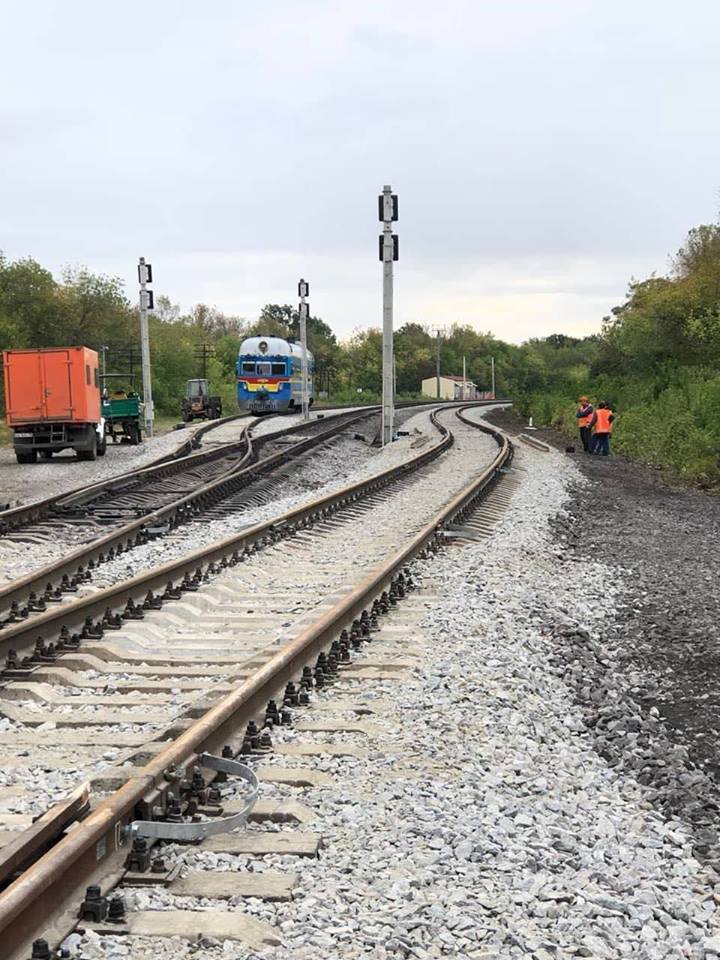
(264, 369)
(248, 367)
(278, 369)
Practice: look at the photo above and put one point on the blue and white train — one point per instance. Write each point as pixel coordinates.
(269, 375)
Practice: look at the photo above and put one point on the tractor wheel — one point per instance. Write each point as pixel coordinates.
(29, 456)
(102, 446)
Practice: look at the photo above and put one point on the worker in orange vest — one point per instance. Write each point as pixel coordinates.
(584, 415)
(602, 421)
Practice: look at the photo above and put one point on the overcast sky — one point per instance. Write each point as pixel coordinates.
(543, 152)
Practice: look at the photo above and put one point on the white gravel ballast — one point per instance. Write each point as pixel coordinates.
(483, 823)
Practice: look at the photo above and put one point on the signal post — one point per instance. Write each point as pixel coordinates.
(303, 293)
(147, 302)
(389, 253)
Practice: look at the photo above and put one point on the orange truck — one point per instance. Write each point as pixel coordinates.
(52, 402)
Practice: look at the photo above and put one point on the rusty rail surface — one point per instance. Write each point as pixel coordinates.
(44, 899)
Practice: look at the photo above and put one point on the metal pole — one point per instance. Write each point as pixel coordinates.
(464, 380)
(145, 276)
(492, 368)
(437, 366)
(303, 290)
(388, 213)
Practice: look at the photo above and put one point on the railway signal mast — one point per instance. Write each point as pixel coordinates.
(303, 292)
(147, 302)
(389, 252)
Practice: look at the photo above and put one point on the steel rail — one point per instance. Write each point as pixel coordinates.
(22, 636)
(26, 513)
(95, 849)
(135, 532)
(29, 512)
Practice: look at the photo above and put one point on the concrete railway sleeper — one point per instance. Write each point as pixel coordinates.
(33, 593)
(167, 780)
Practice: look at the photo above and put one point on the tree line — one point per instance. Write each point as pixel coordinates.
(85, 308)
(656, 358)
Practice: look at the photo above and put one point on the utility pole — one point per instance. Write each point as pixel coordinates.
(492, 373)
(147, 302)
(203, 352)
(303, 292)
(464, 388)
(437, 366)
(389, 252)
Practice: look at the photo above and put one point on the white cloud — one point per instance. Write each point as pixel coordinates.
(543, 153)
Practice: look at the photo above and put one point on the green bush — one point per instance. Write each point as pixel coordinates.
(670, 419)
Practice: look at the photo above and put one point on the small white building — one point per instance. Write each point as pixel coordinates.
(451, 388)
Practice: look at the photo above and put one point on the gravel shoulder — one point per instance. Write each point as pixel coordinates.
(657, 549)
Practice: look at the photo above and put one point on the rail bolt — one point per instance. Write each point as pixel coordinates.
(138, 860)
(40, 950)
(272, 714)
(173, 812)
(197, 784)
(94, 906)
(116, 910)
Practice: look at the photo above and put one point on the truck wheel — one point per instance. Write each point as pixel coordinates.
(90, 452)
(47, 454)
(102, 446)
(29, 456)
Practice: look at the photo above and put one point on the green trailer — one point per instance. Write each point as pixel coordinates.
(122, 411)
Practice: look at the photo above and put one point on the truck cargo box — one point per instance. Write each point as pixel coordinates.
(52, 384)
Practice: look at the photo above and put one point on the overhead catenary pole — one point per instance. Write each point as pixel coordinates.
(146, 303)
(388, 212)
(303, 293)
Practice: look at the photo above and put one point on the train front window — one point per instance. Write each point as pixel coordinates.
(278, 369)
(264, 369)
(248, 367)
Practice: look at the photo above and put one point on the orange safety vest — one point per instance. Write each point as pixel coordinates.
(603, 424)
(584, 421)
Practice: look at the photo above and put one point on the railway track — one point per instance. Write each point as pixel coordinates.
(26, 514)
(97, 523)
(122, 707)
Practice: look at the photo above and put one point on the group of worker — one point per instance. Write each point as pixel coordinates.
(596, 424)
